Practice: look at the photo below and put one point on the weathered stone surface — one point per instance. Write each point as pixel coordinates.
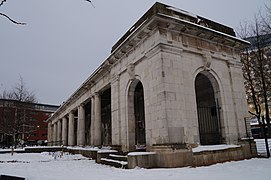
(143, 160)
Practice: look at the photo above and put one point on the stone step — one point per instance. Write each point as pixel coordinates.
(117, 157)
(115, 163)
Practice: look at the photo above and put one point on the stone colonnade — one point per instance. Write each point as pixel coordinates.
(167, 53)
(63, 131)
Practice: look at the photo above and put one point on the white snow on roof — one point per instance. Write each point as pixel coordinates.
(182, 11)
(209, 29)
(213, 147)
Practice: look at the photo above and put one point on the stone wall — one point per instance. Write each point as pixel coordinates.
(168, 156)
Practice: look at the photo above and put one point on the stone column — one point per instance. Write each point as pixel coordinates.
(115, 111)
(97, 121)
(71, 139)
(81, 126)
(59, 132)
(49, 133)
(92, 120)
(55, 133)
(64, 131)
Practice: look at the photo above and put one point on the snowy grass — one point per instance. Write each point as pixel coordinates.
(45, 166)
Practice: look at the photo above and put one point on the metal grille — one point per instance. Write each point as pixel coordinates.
(209, 124)
(106, 125)
(140, 136)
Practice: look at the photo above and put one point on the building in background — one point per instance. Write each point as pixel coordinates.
(256, 70)
(24, 121)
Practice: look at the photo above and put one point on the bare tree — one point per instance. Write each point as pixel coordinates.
(14, 121)
(19, 93)
(257, 65)
(266, 18)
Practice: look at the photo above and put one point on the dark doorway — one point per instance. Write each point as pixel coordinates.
(106, 117)
(208, 109)
(87, 108)
(139, 110)
(75, 125)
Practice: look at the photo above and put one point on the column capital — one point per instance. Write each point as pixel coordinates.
(80, 106)
(115, 78)
(71, 112)
(97, 94)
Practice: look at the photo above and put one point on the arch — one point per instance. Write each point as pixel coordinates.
(136, 115)
(208, 98)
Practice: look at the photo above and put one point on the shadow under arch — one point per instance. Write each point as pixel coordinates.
(208, 99)
(136, 115)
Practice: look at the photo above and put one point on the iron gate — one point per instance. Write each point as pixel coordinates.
(209, 124)
(106, 125)
(140, 134)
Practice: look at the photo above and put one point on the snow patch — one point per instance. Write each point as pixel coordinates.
(115, 161)
(90, 148)
(107, 151)
(140, 153)
(115, 155)
(182, 12)
(214, 147)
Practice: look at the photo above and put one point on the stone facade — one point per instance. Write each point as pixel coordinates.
(176, 62)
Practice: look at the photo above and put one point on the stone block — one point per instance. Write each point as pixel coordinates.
(174, 158)
(176, 134)
(142, 159)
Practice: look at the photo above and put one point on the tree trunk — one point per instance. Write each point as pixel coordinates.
(13, 144)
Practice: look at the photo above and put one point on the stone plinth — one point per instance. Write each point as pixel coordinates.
(142, 159)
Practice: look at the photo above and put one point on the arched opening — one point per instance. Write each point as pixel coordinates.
(136, 116)
(139, 109)
(106, 117)
(207, 97)
(87, 108)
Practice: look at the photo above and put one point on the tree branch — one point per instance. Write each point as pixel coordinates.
(15, 22)
(2, 2)
(90, 3)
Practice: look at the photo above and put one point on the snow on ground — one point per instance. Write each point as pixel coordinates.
(213, 147)
(44, 166)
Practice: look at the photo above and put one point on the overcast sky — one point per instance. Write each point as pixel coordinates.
(64, 41)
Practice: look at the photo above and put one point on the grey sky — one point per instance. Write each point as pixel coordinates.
(64, 41)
